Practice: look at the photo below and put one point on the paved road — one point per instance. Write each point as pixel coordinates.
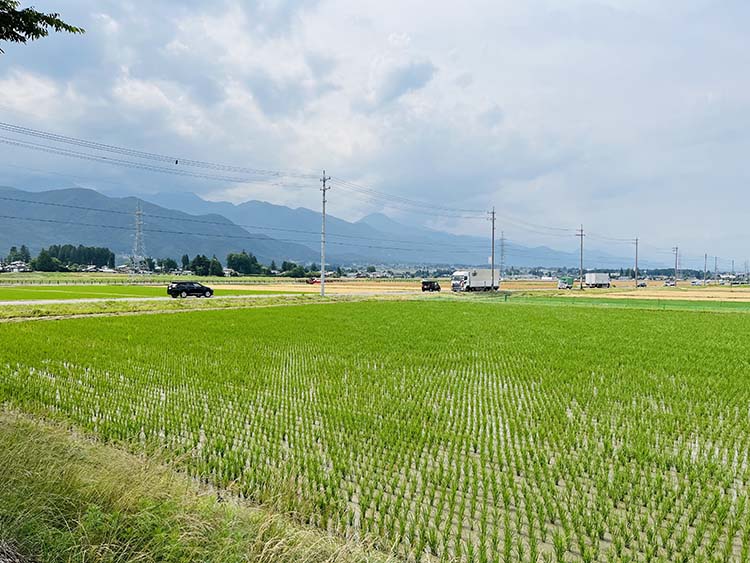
(140, 299)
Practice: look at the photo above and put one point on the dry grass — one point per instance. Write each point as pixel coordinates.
(65, 498)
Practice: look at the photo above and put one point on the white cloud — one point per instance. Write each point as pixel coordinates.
(621, 115)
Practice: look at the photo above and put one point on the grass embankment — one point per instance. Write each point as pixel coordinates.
(668, 304)
(114, 307)
(42, 292)
(63, 498)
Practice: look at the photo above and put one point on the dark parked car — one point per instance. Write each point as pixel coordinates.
(185, 288)
(430, 285)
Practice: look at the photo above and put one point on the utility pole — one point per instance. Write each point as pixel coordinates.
(324, 189)
(636, 262)
(502, 256)
(705, 267)
(579, 233)
(676, 250)
(492, 256)
(139, 248)
(716, 269)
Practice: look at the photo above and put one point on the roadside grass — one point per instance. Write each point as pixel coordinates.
(21, 311)
(66, 499)
(716, 305)
(40, 292)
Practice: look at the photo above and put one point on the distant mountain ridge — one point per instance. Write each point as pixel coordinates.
(84, 216)
(375, 238)
(184, 223)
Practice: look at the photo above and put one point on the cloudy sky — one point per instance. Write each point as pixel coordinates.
(631, 117)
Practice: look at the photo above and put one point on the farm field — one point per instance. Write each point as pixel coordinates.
(51, 292)
(635, 302)
(440, 429)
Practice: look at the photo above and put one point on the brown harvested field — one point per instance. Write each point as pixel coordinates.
(335, 287)
(656, 290)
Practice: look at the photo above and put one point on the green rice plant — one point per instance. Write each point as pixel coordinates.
(546, 426)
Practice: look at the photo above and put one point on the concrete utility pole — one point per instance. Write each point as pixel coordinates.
(676, 250)
(492, 256)
(139, 248)
(324, 189)
(579, 233)
(636, 262)
(502, 256)
(705, 267)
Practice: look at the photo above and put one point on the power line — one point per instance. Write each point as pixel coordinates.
(346, 184)
(225, 223)
(20, 130)
(136, 165)
(215, 235)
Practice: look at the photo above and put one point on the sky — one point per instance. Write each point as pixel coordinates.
(629, 117)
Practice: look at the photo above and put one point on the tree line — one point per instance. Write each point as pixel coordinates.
(59, 258)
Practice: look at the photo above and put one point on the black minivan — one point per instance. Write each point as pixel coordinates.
(185, 288)
(430, 285)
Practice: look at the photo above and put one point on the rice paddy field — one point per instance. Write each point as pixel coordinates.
(439, 430)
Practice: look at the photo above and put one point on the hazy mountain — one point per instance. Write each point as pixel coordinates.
(82, 216)
(175, 224)
(375, 238)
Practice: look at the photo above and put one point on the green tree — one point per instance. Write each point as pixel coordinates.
(20, 26)
(200, 265)
(214, 267)
(25, 254)
(371, 269)
(296, 272)
(273, 265)
(244, 263)
(185, 262)
(167, 264)
(44, 262)
(150, 264)
(13, 254)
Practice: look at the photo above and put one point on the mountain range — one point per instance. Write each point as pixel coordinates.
(184, 223)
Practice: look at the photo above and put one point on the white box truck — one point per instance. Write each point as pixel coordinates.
(474, 280)
(597, 280)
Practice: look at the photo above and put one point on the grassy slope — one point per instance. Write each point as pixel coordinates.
(24, 311)
(646, 304)
(63, 498)
(28, 293)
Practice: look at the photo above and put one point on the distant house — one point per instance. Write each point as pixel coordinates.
(15, 267)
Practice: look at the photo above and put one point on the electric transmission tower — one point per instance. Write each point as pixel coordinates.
(138, 258)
